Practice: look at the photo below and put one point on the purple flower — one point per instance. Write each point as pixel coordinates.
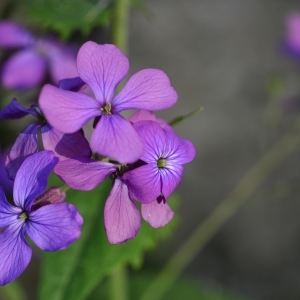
(50, 223)
(64, 145)
(27, 67)
(164, 155)
(103, 67)
(291, 43)
(5, 182)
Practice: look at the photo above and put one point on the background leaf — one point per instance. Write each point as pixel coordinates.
(75, 272)
(68, 16)
(183, 289)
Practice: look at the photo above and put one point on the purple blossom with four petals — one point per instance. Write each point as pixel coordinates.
(27, 67)
(51, 224)
(64, 145)
(103, 67)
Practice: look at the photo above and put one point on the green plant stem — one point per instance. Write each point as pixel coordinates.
(227, 208)
(120, 25)
(118, 286)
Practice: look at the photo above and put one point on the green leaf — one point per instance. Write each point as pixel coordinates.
(68, 16)
(183, 289)
(179, 119)
(75, 272)
(12, 291)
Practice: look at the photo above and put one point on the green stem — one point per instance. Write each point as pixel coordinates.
(118, 286)
(206, 230)
(120, 25)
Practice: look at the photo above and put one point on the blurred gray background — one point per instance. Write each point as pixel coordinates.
(221, 55)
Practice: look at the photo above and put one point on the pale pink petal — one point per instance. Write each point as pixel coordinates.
(122, 218)
(143, 115)
(116, 138)
(67, 111)
(148, 89)
(25, 69)
(157, 214)
(102, 67)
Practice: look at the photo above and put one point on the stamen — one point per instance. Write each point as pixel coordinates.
(23, 216)
(161, 163)
(106, 110)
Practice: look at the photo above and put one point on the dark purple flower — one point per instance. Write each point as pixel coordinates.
(164, 155)
(103, 67)
(51, 224)
(27, 67)
(64, 145)
(5, 182)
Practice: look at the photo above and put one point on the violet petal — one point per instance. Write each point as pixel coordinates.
(170, 177)
(65, 110)
(25, 145)
(13, 35)
(32, 178)
(144, 183)
(122, 219)
(71, 84)
(55, 226)
(65, 145)
(15, 253)
(157, 214)
(148, 89)
(116, 138)
(154, 139)
(83, 173)
(24, 69)
(102, 67)
(15, 111)
(8, 213)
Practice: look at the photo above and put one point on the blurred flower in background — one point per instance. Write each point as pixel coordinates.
(27, 67)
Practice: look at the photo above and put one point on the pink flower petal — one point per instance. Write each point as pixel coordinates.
(102, 67)
(157, 214)
(122, 218)
(65, 145)
(83, 173)
(25, 69)
(143, 115)
(67, 111)
(170, 177)
(116, 138)
(148, 89)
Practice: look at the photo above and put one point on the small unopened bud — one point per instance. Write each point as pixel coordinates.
(51, 196)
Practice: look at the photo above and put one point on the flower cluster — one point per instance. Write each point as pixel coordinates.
(142, 154)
